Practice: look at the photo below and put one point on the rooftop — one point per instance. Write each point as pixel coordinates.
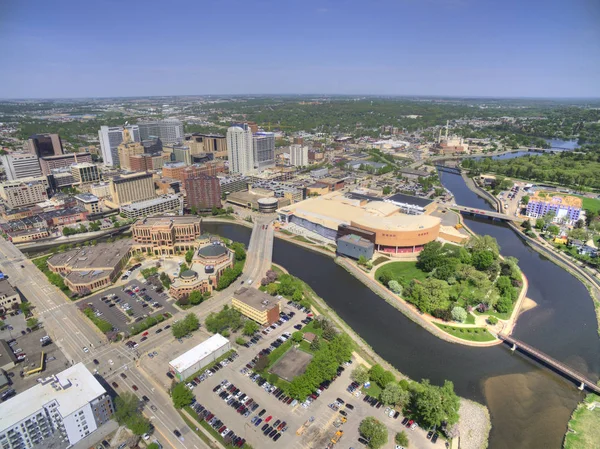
(151, 202)
(87, 197)
(255, 298)
(103, 255)
(356, 240)
(6, 356)
(197, 353)
(212, 250)
(72, 389)
(556, 199)
(6, 289)
(159, 221)
(409, 199)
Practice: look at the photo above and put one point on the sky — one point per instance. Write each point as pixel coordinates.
(490, 48)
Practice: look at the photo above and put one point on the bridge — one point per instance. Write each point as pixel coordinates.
(485, 213)
(563, 369)
(454, 170)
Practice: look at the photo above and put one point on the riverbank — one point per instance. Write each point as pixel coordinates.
(584, 427)
(590, 283)
(474, 419)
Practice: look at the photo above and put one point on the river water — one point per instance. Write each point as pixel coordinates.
(529, 405)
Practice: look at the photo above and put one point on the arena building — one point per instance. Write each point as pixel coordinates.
(381, 222)
(208, 264)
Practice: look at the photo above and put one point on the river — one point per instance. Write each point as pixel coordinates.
(530, 405)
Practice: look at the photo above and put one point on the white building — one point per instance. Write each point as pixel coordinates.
(59, 411)
(25, 192)
(21, 165)
(298, 155)
(239, 149)
(199, 356)
(153, 206)
(110, 139)
(263, 147)
(169, 131)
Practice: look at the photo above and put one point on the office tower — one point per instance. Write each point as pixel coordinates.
(128, 148)
(85, 172)
(50, 163)
(298, 155)
(169, 131)
(215, 144)
(19, 193)
(239, 149)
(45, 145)
(152, 146)
(146, 162)
(110, 139)
(71, 405)
(21, 165)
(203, 192)
(128, 189)
(263, 146)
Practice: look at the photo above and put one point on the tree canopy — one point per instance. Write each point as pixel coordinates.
(375, 431)
(433, 404)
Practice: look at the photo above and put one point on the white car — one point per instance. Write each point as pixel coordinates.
(146, 437)
(85, 349)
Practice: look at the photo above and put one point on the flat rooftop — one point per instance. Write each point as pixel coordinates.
(197, 353)
(71, 389)
(167, 221)
(409, 199)
(556, 199)
(103, 255)
(255, 298)
(6, 289)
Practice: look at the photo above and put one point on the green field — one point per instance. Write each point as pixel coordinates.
(407, 270)
(470, 334)
(592, 204)
(585, 425)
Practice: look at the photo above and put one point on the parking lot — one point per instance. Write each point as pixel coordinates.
(114, 309)
(30, 344)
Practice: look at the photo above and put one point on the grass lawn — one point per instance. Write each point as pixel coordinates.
(379, 260)
(470, 319)
(592, 204)
(586, 424)
(310, 327)
(301, 238)
(374, 390)
(285, 231)
(470, 334)
(492, 312)
(407, 270)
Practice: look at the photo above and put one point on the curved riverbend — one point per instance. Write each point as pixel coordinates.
(529, 405)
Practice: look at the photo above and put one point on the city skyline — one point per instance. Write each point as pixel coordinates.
(436, 48)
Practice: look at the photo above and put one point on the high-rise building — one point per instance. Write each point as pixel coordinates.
(239, 149)
(110, 139)
(128, 189)
(85, 172)
(182, 153)
(45, 145)
(298, 155)
(21, 165)
(153, 145)
(71, 404)
(20, 193)
(50, 163)
(128, 148)
(215, 144)
(146, 162)
(203, 192)
(169, 131)
(263, 146)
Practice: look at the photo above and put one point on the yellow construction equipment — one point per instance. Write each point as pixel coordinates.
(458, 226)
(303, 427)
(337, 436)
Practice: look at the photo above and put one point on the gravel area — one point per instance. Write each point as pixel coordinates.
(474, 425)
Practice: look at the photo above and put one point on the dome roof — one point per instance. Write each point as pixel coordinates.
(187, 274)
(212, 251)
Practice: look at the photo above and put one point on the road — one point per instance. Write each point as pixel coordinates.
(260, 250)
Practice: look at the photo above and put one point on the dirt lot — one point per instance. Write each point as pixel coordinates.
(292, 364)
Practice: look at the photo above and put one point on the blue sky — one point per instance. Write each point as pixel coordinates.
(526, 48)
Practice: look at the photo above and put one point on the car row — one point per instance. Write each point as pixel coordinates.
(208, 372)
(229, 437)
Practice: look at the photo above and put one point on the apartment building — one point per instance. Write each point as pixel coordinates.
(154, 206)
(8, 296)
(564, 207)
(298, 155)
(239, 149)
(85, 172)
(169, 131)
(129, 189)
(263, 146)
(21, 165)
(50, 163)
(166, 235)
(256, 305)
(65, 407)
(203, 192)
(44, 145)
(88, 202)
(17, 194)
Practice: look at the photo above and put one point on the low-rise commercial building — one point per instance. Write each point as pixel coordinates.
(68, 406)
(158, 205)
(256, 305)
(92, 267)
(8, 296)
(199, 356)
(166, 235)
(8, 360)
(88, 202)
(27, 235)
(355, 246)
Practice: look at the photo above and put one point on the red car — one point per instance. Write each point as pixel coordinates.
(135, 388)
(410, 423)
(144, 334)
(269, 418)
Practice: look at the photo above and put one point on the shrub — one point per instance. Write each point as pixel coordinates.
(492, 320)
(459, 314)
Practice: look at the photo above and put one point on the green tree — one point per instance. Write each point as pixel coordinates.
(395, 286)
(459, 314)
(297, 336)
(401, 439)
(315, 345)
(433, 404)
(525, 200)
(553, 230)
(189, 255)
(430, 257)
(375, 431)
(360, 374)
(139, 424)
(393, 394)
(191, 322)
(181, 395)
(32, 322)
(362, 260)
(482, 260)
(153, 446)
(540, 223)
(25, 307)
(250, 328)
(297, 296)
(526, 225)
(126, 406)
(272, 289)
(239, 249)
(429, 295)
(484, 243)
(179, 329)
(195, 297)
